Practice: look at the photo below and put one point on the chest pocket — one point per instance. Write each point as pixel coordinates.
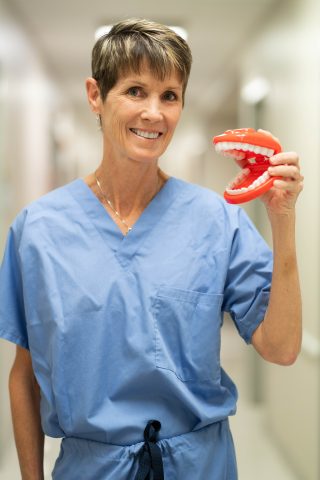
(187, 333)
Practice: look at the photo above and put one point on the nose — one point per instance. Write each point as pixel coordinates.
(152, 111)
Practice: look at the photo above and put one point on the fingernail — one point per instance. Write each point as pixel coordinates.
(272, 160)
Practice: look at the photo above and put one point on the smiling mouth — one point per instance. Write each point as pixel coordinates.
(145, 134)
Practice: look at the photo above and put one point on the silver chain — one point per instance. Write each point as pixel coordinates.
(110, 204)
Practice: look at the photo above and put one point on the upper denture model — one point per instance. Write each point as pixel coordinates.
(251, 150)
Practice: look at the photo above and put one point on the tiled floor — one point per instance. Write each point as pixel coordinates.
(258, 455)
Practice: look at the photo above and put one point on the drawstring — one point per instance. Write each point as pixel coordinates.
(150, 454)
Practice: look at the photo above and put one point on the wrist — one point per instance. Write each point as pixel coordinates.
(283, 233)
(282, 220)
(32, 476)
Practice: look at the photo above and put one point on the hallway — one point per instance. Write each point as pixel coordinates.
(256, 64)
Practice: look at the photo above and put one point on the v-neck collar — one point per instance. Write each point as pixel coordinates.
(124, 246)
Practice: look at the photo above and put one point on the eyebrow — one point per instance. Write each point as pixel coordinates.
(143, 84)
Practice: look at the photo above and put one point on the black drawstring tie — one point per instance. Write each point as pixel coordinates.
(150, 454)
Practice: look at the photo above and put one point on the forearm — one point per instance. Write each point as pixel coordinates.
(29, 437)
(281, 330)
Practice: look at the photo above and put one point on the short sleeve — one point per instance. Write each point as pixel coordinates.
(12, 315)
(248, 281)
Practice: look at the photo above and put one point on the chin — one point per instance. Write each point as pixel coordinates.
(145, 157)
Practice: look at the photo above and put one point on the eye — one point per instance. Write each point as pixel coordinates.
(170, 96)
(134, 91)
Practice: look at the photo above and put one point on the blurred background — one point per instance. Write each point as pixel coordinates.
(256, 63)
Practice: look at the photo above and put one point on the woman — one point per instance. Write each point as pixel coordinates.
(113, 288)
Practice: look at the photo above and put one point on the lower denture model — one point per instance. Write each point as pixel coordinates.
(251, 150)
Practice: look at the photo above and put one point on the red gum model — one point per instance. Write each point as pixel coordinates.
(251, 150)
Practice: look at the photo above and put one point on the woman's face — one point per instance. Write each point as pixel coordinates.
(140, 114)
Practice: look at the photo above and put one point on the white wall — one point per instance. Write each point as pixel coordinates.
(28, 101)
(287, 54)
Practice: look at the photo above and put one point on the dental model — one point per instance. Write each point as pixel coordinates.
(251, 150)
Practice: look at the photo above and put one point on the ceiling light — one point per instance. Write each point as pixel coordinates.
(182, 32)
(104, 29)
(255, 91)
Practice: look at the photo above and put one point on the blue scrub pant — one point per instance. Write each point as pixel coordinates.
(199, 455)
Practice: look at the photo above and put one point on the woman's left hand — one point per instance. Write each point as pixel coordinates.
(282, 197)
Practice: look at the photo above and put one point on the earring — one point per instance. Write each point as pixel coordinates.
(98, 120)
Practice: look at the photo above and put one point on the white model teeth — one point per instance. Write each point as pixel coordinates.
(239, 178)
(225, 147)
(258, 181)
(144, 134)
(235, 154)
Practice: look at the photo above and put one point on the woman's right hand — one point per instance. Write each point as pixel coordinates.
(25, 410)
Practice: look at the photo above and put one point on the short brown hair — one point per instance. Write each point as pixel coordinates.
(131, 42)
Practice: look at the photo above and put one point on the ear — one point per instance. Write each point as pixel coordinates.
(93, 94)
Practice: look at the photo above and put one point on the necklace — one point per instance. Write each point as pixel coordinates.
(110, 203)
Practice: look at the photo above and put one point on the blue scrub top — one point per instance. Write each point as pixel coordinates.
(122, 329)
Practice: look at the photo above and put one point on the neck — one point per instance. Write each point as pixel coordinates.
(130, 191)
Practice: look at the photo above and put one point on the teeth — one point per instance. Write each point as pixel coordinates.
(144, 134)
(239, 155)
(260, 150)
(227, 154)
(236, 150)
(239, 178)
(246, 147)
(236, 191)
(235, 154)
